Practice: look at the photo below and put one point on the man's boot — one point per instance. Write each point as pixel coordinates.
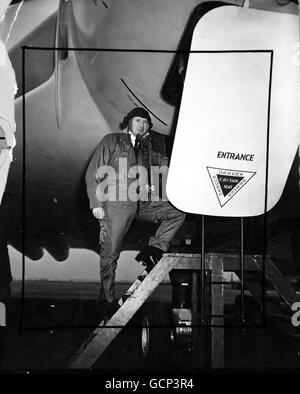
(149, 257)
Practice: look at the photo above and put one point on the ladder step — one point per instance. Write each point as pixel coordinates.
(138, 293)
(133, 287)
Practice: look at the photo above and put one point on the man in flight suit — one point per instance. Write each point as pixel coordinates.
(115, 210)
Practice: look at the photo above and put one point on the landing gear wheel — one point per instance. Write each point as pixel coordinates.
(154, 337)
(145, 336)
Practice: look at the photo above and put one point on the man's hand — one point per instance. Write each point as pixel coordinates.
(98, 213)
(144, 139)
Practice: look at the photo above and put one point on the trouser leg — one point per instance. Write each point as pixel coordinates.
(170, 219)
(113, 228)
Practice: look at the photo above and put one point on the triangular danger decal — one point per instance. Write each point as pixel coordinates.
(228, 182)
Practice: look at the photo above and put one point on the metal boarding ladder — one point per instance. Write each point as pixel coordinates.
(135, 297)
(212, 316)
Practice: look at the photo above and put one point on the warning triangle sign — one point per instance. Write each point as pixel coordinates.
(227, 183)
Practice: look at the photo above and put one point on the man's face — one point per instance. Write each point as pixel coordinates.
(138, 125)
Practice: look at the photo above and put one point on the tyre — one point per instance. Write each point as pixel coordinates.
(154, 335)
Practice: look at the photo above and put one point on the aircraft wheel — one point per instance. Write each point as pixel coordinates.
(155, 332)
(145, 336)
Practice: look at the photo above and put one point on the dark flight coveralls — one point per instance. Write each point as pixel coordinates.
(119, 214)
